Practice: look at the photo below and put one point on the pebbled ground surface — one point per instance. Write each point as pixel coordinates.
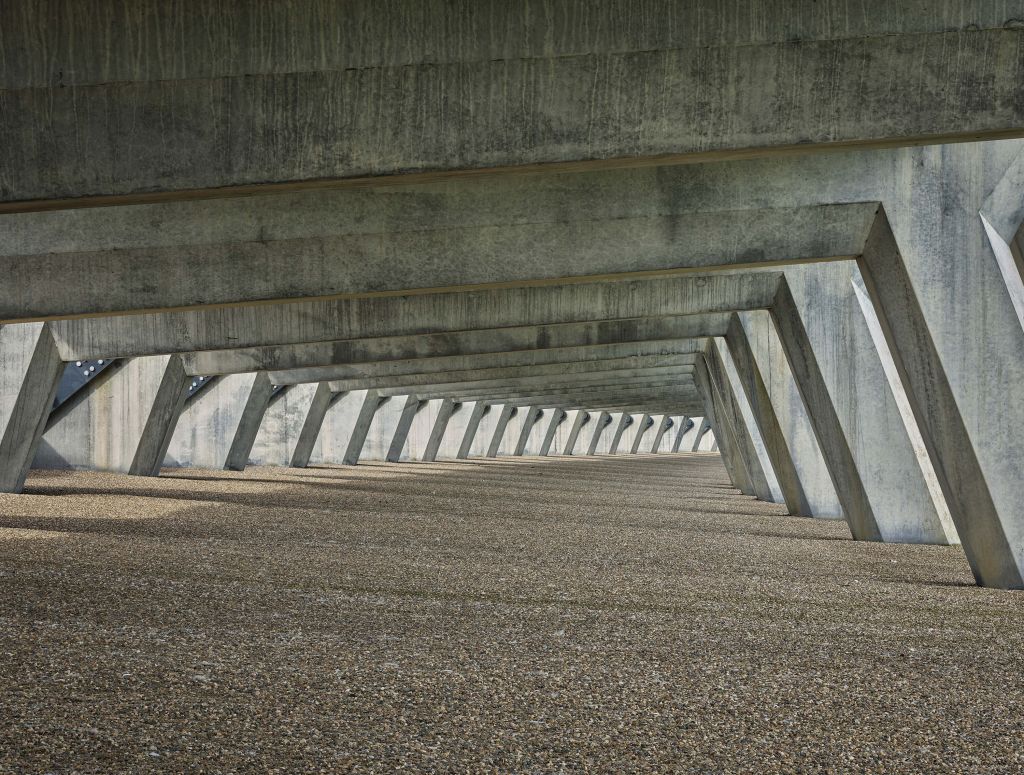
(559, 615)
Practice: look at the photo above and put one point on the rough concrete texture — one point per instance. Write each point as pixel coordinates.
(517, 615)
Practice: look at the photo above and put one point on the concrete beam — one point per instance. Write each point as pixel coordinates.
(266, 68)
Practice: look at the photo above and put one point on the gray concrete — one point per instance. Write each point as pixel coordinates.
(31, 372)
(412, 406)
(361, 427)
(437, 433)
(685, 427)
(480, 408)
(313, 421)
(582, 418)
(558, 416)
(122, 420)
(625, 421)
(277, 441)
(508, 411)
(531, 417)
(604, 419)
(664, 425)
(646, 421)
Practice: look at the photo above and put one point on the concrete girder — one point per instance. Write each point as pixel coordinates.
(317, 321)
(525, 94)
(280, 359)
(392, 261)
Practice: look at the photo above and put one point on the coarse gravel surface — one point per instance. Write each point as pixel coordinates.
(610, 614)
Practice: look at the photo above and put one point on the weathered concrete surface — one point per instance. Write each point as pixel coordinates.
(217, 427)
(326, 321)
(412, 406)
(499, 94)
(555, 420)
(279, 434)
(31, 372)
(572, 441)
(123, 420)
(377, 350)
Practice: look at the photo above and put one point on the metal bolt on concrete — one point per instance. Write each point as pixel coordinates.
(530, 615)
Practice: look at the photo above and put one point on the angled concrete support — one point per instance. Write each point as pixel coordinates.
(122, 420)
(700, 432)
(218, 425)
(533, 415)
(412, 406)
(557, 418)
(444, 414)
(646, 421)
(872, 462)
(624, 422)
(735, 463)
(508, 411)
(371, 403)
(282, 424)
(480, 408)
(685, 425)
(311, 425)
(249, 423)
(748, 436)
(604, 419)
(582, 418)
(663, 426)
(30, 373)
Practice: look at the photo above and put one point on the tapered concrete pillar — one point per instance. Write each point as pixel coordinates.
(480, 409)
(218, 425)
(249, 423)
(282, 425)
(371, 403)
(122, 420)
(603, 421)
(863, 439)
(701, 431)
(686, 424)
(313, 422)
(735, 464)
(30, 371)
(743, 368)
(748, 435)
(412, 406)
(620, 428)
(507, 413)
(557, 418)
(645, 423)
(444, 414)
(663, 426)
(582, 418)
(533, 415)
(765, 348)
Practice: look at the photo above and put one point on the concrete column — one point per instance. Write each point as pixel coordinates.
(735, 463)
(686, 424)
(750, 385)
(701, 431)
(311, 425)
(444, 414)
(603, 421)
(857, 422)
(624, 422)
(412, 406)
(480, 408)
(645, 422)
(282, 424)
(533, 414)
(217, 427)
(249, 423)
(30, 372)
(122, 420)
(769, 360)
(582, 418)
(371, 403)
(507, 413)
(663, 426)
(748, 436)
(557, 418)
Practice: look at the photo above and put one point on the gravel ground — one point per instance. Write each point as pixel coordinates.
(558, 615)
